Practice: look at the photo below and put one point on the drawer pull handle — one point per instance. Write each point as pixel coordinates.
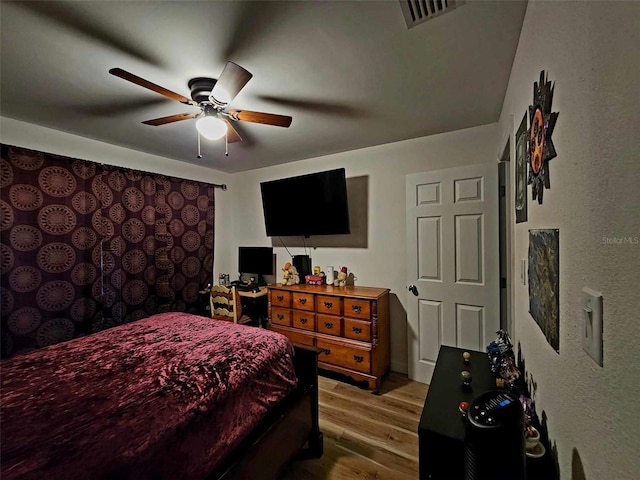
(280, 298)
(357, 330)
(356, 308)
(326, 351)
(303, 301)
(280, 316)
(328, 304)
(303, 321)
(328, 325)
(358, 358)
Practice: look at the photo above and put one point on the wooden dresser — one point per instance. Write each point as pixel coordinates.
(350, 325)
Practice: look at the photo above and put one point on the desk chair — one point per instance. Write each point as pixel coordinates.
(225, 305)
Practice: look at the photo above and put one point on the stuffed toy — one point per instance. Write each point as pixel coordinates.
(294, 277)
(341, 281)
(290, 275)
(285, 274)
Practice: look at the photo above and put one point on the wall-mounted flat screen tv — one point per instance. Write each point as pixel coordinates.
(312, 204)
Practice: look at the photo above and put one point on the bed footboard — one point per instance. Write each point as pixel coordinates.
(290, 430)
(306, 365)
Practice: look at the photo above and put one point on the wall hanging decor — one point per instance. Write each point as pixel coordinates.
(544, 266)
(541, 148)
(521, 170)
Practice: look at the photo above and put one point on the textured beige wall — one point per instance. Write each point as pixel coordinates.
(383, 262)
(590, 50)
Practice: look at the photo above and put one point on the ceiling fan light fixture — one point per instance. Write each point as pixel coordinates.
(211, 128)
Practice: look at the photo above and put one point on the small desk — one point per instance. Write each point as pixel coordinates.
(263, 291)
(254, 305)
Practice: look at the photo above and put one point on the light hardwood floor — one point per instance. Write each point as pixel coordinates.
(366, 436)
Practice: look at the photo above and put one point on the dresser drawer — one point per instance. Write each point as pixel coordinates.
(295, 336)
(280, 298)
(329, 324)
(344, 355)
(281, 316)
(304, 320)
(357, 329)
(303, 301)
(329, 305)
(339, 322)
(356, 308)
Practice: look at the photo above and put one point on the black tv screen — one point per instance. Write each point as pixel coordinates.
(312, 204)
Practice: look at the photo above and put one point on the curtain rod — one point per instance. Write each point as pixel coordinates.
(222, 186)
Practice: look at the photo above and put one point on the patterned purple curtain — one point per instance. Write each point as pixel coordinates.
(86, 246)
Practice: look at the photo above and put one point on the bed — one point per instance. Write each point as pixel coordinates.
(172, 396)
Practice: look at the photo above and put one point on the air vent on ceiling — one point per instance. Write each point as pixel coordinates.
(419, 11)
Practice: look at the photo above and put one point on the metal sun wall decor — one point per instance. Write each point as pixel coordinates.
(521, 171)
(544, 284)
(541, 148)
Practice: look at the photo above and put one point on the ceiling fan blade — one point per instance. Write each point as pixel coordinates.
(232, 79)
(316, 106)
(118, 72)
(259, 117)
(170, 119)
(232, 134)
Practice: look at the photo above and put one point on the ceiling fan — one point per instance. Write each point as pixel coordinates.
(213, 98)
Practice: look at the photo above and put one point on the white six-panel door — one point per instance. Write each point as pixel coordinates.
(453, 263)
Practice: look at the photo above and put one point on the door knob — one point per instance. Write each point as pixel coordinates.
(413, 289)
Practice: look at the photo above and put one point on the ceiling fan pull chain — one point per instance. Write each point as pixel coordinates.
(199, 154)
(226, 144)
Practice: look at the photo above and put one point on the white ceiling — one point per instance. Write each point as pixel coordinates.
(349, 73)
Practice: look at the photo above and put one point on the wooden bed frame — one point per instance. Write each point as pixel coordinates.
(290, 430)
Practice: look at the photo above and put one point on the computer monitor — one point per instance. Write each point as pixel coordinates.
(256, 261)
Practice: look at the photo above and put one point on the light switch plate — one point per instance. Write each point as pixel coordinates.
(591, 313)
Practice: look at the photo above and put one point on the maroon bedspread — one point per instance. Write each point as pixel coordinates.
(164, 397)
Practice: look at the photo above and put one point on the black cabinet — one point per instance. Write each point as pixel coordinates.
(204, 308)
(441, 430)
(255, 306)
